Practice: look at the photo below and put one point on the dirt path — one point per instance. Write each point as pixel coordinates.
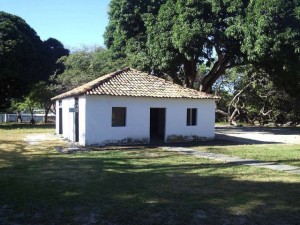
(235, 160)
(259, 135)
(35, 139)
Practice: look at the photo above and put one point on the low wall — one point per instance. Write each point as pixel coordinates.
(5, 118)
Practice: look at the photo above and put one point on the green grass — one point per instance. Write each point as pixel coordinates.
(141, 185)
(278, 153)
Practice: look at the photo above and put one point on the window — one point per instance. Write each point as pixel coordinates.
(191, 117)
(118, 117)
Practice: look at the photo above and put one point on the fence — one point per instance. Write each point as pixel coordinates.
(38, 118)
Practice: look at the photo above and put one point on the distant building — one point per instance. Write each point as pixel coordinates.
(132, 107)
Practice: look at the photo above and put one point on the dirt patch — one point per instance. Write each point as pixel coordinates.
(259, 135)
(35, 139)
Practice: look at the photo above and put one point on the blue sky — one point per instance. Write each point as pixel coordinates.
(76, 23)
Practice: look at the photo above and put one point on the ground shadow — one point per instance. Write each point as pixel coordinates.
(146, 186)
(270, 130)
(12, 126)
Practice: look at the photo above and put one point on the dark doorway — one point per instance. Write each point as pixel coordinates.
(76, 126)
(76, 120)
(60, 121)
(157, 124)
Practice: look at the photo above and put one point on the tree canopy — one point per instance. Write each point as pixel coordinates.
(24, 58)
(180, 36)
(84, 65)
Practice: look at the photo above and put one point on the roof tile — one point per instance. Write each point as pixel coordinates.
(130, 82)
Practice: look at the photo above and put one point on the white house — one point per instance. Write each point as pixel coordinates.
(132, 107)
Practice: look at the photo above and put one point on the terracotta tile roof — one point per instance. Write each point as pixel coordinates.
(130, 82)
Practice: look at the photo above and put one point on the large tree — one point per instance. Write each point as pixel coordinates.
(272, 41)
(181, 35)
(249, 95)
(52, 51)
(126, 32)
(24, 58)
(84, 65)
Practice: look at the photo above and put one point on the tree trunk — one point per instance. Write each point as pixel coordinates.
(46, 116)
(47, 108)
(175, 78)
(217, 70)
(19, 117)
(190, 70)
(31, 113)
(32, 121)
(221, 112)
(234, 103)
(232, 117)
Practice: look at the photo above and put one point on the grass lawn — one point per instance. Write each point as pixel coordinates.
(279, 153)
(135, 186)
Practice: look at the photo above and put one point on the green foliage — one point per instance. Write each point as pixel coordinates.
(85, 65)
(177, 37)
(39, 97)
(52, 51)
(125, 33)
(272, 41)
(191, 25)
(24, 58)
(19, 62)
(27, 104)
(165, 56)
(41, 93)
(270, 26)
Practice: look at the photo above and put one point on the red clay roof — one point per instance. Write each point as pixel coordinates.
(133, 83)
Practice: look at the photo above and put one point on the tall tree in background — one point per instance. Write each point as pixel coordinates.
(19, 61)
(126, 32)
(249, 95)
(83, 66)
(41, 94)
(24, 58)
(272, 41)
(52, 51)
(178, 36)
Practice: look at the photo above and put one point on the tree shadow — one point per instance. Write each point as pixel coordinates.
(12, 126)
(146, 186)
(271, 130)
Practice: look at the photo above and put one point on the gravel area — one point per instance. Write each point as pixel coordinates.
(246, 135)
(259, 135)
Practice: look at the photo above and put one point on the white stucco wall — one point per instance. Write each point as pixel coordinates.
(98, 112)
(67, 118)
(57, 117)
(99, 117)
(176, 118)
(82, 119)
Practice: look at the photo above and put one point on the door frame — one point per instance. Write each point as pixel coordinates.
(161, 121)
